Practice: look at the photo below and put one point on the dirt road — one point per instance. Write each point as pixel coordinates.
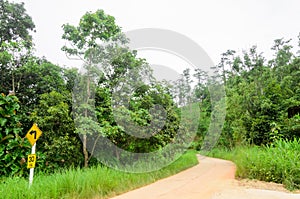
(210, 179)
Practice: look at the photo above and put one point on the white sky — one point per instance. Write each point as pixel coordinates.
(216, 25)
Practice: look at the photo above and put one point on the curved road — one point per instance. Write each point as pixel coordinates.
(210, 179)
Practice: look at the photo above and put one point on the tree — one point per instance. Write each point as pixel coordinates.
(259, 95)
(15, 23)
(103, 97)
(183, 90)
(93, 29)
(15, 48)
(85, 39)
(12, 58)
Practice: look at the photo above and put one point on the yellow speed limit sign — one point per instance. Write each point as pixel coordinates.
(31, 160)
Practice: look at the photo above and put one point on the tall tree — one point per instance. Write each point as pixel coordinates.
(15, 42)
(98, 41)
(85, 40)
(15, 23)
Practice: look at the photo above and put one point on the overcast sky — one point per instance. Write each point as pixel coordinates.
(216, 25)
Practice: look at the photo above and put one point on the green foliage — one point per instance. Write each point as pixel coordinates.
(13, 148)
(15, 23)
(278, 162)
(100, 182)
(92, 29)
(291, 127)
(60, 144)
(259, 94)
(87, 43)
(12, 57)
(139, 112)
(98, 40)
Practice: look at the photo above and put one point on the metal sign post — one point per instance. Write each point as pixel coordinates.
(32, 160)
(32, 135)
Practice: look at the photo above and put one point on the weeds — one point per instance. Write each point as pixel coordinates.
(279, 162)
(100, 182)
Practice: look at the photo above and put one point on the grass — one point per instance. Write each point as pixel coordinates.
(97, 182)
(278, 163)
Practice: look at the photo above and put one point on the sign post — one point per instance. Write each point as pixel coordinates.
(32, 135)
(31, 163)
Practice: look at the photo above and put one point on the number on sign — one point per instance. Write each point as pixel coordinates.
(31, 159)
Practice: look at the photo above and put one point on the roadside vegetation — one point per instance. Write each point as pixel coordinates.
(78, 111)
(95, 182)
(75, 110)
(278, 162)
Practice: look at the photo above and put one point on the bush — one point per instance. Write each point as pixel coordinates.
(13, 148)
(279, 162)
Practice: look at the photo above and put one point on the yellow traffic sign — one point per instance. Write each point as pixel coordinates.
(31, 160)
(33, 134)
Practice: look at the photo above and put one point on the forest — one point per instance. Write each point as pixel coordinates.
(262, 96)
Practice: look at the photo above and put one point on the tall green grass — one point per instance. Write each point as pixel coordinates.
(278, 163)
(100, 182)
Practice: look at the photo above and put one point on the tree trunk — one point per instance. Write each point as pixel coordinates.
(85, 152)
(13, 83)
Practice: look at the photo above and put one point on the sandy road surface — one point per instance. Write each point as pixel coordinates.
(210, 179)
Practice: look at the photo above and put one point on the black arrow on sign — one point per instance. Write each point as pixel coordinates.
(33, 132)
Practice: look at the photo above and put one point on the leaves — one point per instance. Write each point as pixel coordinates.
(12, 146)
(15, 23)
(93, 29)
